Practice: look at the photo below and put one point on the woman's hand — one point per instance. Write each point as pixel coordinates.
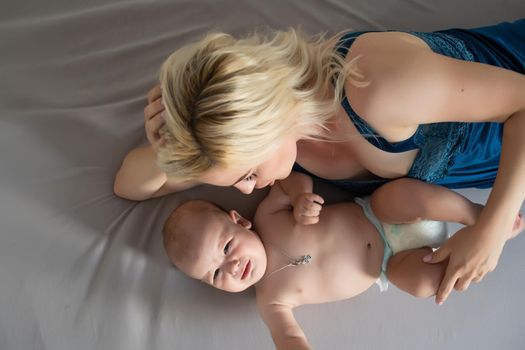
(153, 117)
(472, 252)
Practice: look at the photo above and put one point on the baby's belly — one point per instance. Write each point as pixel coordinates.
(350, 255)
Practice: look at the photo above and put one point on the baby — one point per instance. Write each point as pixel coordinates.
(304, 255)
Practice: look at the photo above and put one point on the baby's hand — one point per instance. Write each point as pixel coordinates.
(307, 208)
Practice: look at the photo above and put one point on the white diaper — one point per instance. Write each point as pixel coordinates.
(424, 233)
(399, 237)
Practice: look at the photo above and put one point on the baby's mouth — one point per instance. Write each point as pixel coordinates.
(247, 269)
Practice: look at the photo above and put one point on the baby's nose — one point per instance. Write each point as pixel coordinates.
(233, 267)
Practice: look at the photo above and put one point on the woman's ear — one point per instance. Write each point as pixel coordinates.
(238, 219)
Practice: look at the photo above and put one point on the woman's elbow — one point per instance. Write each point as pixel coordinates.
(123, 190)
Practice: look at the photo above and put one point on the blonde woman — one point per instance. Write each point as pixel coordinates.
(359, 109)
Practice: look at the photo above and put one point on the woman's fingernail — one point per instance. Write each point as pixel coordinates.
(427, 258)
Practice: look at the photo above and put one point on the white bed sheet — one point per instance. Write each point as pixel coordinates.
(82, 269)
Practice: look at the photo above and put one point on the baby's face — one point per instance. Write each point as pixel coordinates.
(228, 255)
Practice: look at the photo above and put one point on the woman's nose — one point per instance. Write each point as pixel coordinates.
(245, 187)
(264, 184)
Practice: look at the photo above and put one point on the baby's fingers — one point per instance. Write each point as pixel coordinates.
(308, 220)
(310, 212)
(312, 201)
(315, 198)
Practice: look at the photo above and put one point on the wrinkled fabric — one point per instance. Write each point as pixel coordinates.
(81, 269)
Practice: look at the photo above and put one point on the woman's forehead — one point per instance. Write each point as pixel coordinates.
(223, 175)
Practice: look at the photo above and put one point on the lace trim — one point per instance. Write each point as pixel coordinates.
(439, 143)
(446, 44)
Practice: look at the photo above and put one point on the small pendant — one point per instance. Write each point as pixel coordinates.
(305, 259)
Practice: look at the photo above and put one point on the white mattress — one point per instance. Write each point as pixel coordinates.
(83, 269)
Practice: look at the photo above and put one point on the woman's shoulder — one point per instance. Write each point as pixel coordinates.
(387, 41)
(391, 64)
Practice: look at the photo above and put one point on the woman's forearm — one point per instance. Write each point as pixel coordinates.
(139, 178)
(508, 191)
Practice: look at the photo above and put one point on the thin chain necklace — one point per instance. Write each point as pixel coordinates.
(303, 260)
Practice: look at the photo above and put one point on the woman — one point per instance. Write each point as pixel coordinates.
(445, 107)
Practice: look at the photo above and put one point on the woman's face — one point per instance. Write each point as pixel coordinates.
(277, 167)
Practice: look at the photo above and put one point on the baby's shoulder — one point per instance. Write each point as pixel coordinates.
(269, 293)
(273, 225)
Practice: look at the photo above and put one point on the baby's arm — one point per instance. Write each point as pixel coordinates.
(293, 193)
(139, 178)
(286, 332)
(408, 200)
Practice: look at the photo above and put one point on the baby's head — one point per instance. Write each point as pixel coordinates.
(214, 246)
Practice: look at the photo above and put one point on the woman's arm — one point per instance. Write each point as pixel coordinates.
(139, 178)
(475, 250)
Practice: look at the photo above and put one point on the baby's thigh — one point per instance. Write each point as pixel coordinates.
(409, 273)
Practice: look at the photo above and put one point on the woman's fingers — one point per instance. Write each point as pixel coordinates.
(154, 94)
(447, 284)
(463, 283)
(153, 117)
(152, 109)
(152, 129)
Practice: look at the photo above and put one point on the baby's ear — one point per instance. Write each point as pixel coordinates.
(238, 219)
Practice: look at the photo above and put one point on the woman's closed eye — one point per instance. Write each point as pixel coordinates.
(250, 177)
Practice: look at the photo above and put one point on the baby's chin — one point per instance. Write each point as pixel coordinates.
(243, 287)
(240, 289)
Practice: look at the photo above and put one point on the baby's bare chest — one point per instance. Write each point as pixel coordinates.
(346, 254)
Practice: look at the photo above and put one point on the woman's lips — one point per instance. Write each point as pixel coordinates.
(247, 270)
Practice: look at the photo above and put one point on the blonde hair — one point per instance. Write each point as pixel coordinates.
(231, 101)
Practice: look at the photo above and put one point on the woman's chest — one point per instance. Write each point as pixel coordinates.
(352, 158)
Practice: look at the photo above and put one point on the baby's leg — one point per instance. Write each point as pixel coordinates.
(409, 273)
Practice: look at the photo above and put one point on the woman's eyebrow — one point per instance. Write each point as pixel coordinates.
(242, 177)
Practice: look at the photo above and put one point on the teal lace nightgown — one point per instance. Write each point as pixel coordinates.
(452, 154)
